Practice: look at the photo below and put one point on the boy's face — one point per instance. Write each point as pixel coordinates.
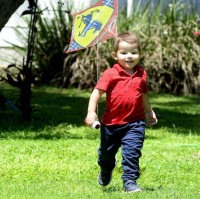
(127, 55)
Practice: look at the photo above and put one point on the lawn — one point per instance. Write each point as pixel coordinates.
(54, 156)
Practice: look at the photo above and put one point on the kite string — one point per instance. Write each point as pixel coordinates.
(98, 67)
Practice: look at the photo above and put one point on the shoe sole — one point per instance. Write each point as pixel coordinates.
(133, 191)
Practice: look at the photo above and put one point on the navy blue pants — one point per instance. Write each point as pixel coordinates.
(130, 137)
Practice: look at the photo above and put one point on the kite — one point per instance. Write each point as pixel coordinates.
(95, 24)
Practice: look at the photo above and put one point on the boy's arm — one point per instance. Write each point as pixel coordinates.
(92, 106)
(149, 113)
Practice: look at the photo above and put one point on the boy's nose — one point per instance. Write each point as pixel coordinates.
(129, 55)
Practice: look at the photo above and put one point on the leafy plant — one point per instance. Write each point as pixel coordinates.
(170, 51)
(174, 51)
(88, 65)
(53, 33)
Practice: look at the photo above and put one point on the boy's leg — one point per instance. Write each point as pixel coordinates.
(109, 146)
(132, 143)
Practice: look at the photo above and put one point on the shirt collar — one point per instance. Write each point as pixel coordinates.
(123, 72)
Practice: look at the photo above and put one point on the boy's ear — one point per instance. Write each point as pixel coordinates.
(114, 55)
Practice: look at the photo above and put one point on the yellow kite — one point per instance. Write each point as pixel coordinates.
(94, 24)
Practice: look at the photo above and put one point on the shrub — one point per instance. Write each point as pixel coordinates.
(170, 51)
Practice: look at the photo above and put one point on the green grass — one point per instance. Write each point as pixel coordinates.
(55, 156)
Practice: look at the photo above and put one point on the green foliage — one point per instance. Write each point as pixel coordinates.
(53, 33)
(170, 51)
(52, 36)
(55, 156)
(89, 63)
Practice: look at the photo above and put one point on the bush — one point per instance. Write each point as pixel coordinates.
(170, 51)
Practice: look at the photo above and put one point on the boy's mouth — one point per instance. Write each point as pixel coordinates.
(130, 62)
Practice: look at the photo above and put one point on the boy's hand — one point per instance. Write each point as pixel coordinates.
(90, 118)
(151, 118)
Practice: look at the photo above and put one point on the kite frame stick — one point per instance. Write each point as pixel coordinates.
(98, 67)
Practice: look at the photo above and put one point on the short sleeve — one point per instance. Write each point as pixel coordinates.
(104, 80)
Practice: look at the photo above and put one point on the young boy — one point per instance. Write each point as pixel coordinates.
(127, 106)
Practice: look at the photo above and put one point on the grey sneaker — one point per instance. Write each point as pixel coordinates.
(104, 179)
(131, 186)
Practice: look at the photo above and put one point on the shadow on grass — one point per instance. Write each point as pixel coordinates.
(51, 109)
(151, 189)
(170, 116)
(110, 189)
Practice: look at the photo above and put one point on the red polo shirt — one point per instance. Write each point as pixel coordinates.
(123, 95)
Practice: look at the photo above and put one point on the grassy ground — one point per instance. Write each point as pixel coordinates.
(54, 156)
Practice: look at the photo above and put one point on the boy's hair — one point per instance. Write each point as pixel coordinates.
(127, 37)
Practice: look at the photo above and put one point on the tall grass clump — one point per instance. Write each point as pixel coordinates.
(53, 33)
(170, 50)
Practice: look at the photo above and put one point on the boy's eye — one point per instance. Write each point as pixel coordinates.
(135, 52)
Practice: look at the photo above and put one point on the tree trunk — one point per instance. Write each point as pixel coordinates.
(7, 8)
(25, 95)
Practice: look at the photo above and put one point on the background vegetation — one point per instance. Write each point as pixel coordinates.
(170, 51)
